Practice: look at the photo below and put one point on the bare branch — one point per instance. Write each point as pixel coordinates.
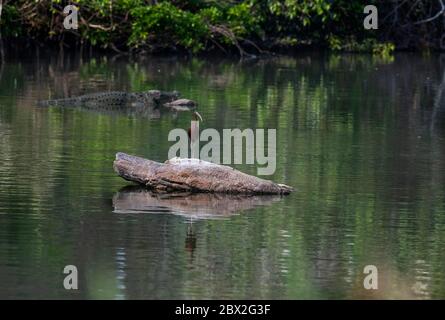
(437, 15)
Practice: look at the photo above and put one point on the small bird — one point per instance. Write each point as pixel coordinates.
(195, 117)
(193, 133)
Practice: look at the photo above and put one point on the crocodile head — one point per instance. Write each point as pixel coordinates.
(158, 96)
(152, 94)
(168, 96)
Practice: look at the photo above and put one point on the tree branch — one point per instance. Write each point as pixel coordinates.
(437, 15)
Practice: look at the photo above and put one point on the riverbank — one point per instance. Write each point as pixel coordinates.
(242, 28)
(21, 48)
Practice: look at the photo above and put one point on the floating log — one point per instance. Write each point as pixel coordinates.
(137, 199)
(192, 175)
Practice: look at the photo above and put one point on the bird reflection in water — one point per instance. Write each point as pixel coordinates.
(190, 241)
(191, 206)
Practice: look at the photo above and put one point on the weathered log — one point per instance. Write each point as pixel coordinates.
(137, 199)
(192, 175)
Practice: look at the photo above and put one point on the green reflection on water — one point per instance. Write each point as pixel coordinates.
(361, 140)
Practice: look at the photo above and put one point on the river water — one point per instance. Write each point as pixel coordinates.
(360, 138)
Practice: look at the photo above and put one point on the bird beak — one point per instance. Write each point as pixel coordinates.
(198, 115)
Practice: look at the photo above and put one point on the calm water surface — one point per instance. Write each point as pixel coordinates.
(361, 139)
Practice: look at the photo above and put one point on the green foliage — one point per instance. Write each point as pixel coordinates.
(9, 23)
(384, 49)
(291, 16)
(366, 46)
(170, 23)
(198, 25)
(334, 43)
(241, 20)
(107, 14)
(212, 15)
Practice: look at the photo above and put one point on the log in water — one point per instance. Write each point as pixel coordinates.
(192, 175)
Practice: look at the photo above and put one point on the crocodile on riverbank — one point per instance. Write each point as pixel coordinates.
(115, 99)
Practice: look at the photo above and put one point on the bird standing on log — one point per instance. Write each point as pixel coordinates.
(193, 133)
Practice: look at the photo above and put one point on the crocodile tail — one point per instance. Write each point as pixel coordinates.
(46, 103)
(57, 102)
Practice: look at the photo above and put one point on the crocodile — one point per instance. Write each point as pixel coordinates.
(115, 99)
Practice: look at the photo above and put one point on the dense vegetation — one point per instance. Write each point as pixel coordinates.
(229, 25)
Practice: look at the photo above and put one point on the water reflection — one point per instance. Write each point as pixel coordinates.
(154, 111)
(136, 199)
(192, 206)
(438, 113)
(362, 140)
